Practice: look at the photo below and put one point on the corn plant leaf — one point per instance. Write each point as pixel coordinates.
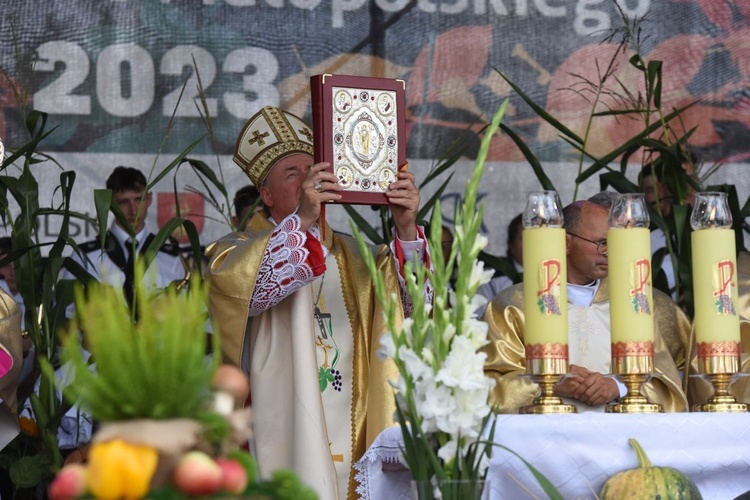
(102, 204)
(364, 226)
(633, 141)
(653, 72)
(530, 157)
(175, 163)
(541, 112)
(434, 198)
(207, 172)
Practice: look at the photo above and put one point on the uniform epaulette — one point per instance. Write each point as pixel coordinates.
(91, 246)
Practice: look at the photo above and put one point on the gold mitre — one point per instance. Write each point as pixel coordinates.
(271, 134)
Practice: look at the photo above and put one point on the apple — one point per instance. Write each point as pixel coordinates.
(70, 482)
(197, 474)
(233, 476)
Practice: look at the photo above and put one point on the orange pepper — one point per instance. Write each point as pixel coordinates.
(120, 470)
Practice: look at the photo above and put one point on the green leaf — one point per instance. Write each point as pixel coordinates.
(545, 483)
(26, 472)
(541, 112)
(175, 163)
(530, 157)
(618, 181)
(635, 141)
(102, 204)
(364, 226)
(434, 198)
(653, 73)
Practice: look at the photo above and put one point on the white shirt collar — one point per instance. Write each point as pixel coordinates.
(123, 237)
(582, 295)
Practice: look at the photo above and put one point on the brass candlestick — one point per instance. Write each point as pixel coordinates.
(547, 372)
(720, 372)
(633, 371)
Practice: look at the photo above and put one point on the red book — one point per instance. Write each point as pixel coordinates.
(359, 128)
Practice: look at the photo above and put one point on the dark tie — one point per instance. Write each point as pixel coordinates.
(129, 273)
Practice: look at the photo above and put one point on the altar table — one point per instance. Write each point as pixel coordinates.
(577, 453)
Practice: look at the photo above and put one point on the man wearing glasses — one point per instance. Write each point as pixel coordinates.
(589, 339)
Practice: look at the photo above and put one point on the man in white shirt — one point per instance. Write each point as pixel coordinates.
(113, 263)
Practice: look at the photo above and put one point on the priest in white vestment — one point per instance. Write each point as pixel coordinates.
(296, 309)
(589, 343)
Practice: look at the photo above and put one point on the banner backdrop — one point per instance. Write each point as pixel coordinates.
(111, 73)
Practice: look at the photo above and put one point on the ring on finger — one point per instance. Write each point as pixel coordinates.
(318, 187)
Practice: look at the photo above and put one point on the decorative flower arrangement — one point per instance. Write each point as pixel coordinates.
(172, 419)
(442, 393)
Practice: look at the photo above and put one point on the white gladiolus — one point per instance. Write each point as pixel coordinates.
(477, 301)
(479, 243)
(427, 355)
(476, 331)
(442, 389)
(463, 367)
(447, 452)
(448, 332)
(415, 366)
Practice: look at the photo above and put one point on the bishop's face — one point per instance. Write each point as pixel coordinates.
(281, 189)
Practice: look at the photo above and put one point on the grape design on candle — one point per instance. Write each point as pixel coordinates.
(548, 294)
(640, 299)
(724, 303)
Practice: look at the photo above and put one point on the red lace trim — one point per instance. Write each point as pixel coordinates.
(725, 348)
(632, 348)
(547, 351)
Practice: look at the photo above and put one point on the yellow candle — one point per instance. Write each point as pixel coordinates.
(715, 286)
(631, 301)
(544, 286)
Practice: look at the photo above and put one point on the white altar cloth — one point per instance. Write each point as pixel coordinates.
(577, 453)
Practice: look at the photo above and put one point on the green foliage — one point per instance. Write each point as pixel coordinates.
(155, 368)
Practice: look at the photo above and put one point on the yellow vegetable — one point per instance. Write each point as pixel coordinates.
(121, 470)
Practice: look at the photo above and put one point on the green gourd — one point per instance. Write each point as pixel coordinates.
(647, 481)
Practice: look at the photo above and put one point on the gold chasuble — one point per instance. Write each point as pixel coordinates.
(320, 393)
(590, 339)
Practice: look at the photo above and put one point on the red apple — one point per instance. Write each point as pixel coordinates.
(233, 476)
(70, 482)
(197, 474)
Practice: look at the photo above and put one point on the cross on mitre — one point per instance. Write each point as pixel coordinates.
(258, 137)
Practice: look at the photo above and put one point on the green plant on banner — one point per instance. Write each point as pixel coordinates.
(662, 144)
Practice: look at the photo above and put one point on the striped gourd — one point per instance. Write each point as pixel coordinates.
(648, 481)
